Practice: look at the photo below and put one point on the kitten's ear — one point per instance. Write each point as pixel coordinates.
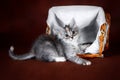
(72, 23)
(60, 23)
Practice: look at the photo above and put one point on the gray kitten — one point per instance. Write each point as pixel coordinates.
(63, 46)
(45, 48)
(69, 35)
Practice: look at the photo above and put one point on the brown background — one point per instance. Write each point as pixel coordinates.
(21, 21)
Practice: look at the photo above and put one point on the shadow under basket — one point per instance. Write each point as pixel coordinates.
(100, 22)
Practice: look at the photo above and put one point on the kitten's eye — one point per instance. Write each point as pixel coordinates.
(66, 35)
(73, 32)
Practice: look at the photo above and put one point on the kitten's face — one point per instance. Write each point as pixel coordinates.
(68, 33)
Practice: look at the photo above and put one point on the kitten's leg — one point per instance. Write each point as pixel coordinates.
(78, 60)
(50, 54)
(71, 55)
(57, 59)
(60, 50)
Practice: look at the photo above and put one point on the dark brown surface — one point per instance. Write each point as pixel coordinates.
(21, 21)
(107, 68)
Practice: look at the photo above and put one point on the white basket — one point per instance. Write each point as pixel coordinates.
(84, 16)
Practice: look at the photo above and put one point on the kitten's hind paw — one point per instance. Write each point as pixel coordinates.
(60, 59)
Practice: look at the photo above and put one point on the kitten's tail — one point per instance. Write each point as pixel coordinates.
(20, 57)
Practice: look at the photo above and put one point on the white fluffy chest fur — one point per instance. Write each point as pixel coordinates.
(73, 42)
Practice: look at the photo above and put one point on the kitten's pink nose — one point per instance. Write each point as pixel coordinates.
(72, 37)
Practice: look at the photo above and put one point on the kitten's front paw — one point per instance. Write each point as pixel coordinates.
(86, 62)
